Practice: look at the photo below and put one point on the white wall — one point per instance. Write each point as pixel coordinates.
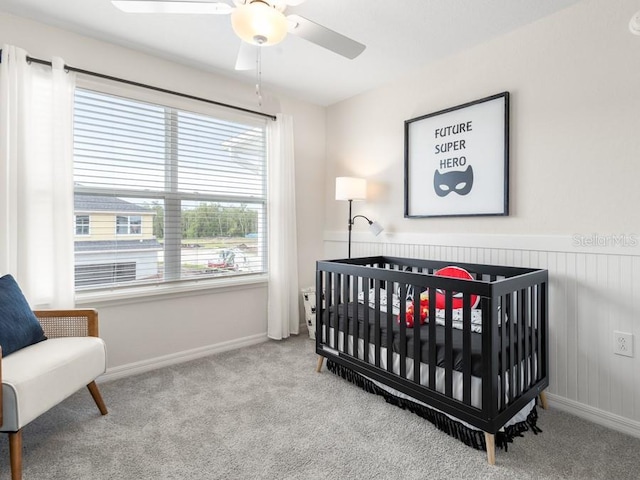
(139, 333)
(574, 80)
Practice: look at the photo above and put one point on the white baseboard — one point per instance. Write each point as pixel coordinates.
(143, 366)
(595, 415)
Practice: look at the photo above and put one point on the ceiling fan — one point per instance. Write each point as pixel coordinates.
(256, 22)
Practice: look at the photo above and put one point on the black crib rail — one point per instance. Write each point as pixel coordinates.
(512, 347)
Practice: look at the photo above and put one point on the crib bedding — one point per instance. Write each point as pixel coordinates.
(456, 313)
(457, 336)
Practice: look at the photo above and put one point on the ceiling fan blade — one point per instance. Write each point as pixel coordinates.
(172, 6)
(247, 55)
(325, 37)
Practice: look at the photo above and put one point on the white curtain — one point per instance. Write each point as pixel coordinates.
(36, 178)
(283, 316)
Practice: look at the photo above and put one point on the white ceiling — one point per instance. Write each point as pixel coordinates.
(401, 36)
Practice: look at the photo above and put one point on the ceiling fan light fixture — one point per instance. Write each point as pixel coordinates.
(259, 23)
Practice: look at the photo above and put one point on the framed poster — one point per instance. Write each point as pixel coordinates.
(456, 161)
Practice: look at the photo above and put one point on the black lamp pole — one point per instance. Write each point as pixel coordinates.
(350, 226)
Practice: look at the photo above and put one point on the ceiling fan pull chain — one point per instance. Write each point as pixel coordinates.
(259, 75)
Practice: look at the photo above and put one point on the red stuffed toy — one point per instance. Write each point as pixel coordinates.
(454, 272)
(424, 311)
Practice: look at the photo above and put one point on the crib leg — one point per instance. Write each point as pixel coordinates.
(543, 400)
(320, 360)
(490, 440)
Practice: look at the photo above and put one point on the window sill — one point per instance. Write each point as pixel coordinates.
(178, 289)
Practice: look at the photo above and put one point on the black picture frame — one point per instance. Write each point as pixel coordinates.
(456, 161)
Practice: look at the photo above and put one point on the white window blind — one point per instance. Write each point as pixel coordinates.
(170, 195)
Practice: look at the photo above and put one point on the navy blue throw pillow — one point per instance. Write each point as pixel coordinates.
(19, 327)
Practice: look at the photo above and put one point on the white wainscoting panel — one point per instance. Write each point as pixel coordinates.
(594, 289)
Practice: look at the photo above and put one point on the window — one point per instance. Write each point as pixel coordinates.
(130, 225)
(173, 195)
(82, 224)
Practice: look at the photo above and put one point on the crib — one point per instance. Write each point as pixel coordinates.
(474, 367)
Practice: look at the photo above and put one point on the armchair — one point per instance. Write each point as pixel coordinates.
(39, 376)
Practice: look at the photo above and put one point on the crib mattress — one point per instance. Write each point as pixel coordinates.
(440, 332)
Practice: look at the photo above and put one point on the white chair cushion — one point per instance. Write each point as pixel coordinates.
(38, 377)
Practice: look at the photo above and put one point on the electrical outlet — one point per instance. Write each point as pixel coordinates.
(623, 343)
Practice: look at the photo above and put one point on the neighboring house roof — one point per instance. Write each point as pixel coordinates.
(120, 245)
(96, 203)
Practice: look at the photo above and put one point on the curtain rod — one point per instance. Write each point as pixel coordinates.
(150, 87)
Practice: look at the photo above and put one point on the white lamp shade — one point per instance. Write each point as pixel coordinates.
(375, 228)
(351, 188)
(259, 24)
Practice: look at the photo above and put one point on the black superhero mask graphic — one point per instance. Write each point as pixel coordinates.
(456, 181)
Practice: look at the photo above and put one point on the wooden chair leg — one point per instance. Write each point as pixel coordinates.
(490, 440)
(543, 400)
(320, 360)
(97, 397)
(15, 454)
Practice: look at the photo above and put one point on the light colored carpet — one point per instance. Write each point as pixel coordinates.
(263, 413)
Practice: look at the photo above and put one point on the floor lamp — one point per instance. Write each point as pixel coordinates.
(350, 189)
